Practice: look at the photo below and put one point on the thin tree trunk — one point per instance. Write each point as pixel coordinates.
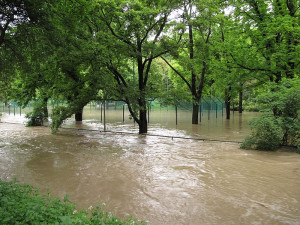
(45, 109)
(240, 101)
(227, 102)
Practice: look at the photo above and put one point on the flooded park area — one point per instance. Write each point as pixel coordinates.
(178, 174)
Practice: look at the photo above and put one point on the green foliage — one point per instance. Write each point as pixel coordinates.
(23, 204)
(38, 115)
(282, 127)
(59, 114)
(266, 134)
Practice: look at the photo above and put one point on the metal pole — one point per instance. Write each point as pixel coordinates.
(176, 114)
(104, 117)
(209, 111)
(14, 109)
(222, 105)
(20, 110)
(148, 114)
(200, 109)
(216, 106)
(101, 112)
(167, 90)
(123, 113)
(222, 109)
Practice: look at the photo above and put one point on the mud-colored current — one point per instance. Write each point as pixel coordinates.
(158, 179)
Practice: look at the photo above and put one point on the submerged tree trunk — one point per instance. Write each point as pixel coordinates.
(78, 115)
(240, 101)
(45, 109)
(195, 113)
(143, 125)
(227, 102)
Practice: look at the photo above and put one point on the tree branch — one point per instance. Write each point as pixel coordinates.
(108, 24)
(178, 73)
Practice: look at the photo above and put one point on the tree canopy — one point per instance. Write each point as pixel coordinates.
(80, 51)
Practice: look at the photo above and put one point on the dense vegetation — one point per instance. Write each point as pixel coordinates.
(79, 51)
(23, 204)
(280, 122)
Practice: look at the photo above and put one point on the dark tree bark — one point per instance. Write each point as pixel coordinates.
(241, 101)
(45, 109)
(78, 116)
(227, 102)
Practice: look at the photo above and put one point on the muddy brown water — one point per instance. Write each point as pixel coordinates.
(158, 179)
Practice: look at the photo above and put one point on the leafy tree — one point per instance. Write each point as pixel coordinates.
(55, 61)
(136, 29)
(194, 53)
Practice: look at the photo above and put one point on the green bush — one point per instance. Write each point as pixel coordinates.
(266, 134)
(23, 204)
(38, 115)
(280, 125)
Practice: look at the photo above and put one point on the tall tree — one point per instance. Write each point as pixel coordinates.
(136, 29)
(199, 20)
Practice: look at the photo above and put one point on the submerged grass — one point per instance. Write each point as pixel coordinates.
(24, 204)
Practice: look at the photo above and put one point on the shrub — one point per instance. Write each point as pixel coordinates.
(266, 134)
(23, 204)
(280, 125)
(37, 116)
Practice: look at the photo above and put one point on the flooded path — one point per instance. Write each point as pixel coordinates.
(161, 180)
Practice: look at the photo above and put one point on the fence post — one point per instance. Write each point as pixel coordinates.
(123, 113)
(200, 109)
(216, 106)
(104, 117)
(221, 106)
(209, 110)
(148, 114)
(176, 114)
(101, 112)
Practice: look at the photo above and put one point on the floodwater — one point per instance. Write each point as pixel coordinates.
(162, 180)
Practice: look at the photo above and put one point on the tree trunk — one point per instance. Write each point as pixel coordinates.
(240, 101)
(195, 113)
(45, 109)
(143, 125)
(227, 102)
(78, 116)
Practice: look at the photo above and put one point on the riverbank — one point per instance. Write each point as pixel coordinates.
(24, 204)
